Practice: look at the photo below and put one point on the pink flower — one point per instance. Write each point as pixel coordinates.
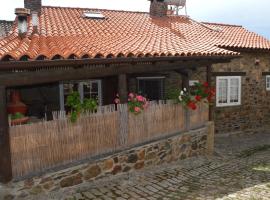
(131, 95)
(140, 98)
(145, 105)
(137, 109)
(117, 101)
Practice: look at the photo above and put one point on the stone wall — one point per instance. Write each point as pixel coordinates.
(253, 113)
(180, 146)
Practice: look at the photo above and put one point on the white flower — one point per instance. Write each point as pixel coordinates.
(180, 98)
(185, 89)
(182, 93)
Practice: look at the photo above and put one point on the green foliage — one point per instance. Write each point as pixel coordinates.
(89, 105)
(17, 116)
(173, 94)
(74, 102)
(200, 90)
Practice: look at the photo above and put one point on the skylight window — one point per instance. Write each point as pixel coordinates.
(93, 15)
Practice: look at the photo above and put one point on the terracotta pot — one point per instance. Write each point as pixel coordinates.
(23, 120)
(16, 105)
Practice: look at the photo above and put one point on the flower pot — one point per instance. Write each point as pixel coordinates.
(16, 105)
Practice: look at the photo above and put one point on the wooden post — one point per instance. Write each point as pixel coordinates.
(122, 88)
(210, 138)
(209, 80)
(185, 84)
(5, 155)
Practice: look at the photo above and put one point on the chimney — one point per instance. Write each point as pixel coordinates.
(158, 8)
(22, 14)
(33, 5)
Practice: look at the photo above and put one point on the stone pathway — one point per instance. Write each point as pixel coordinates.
(239, 170)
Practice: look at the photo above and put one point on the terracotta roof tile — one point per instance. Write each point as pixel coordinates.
(234, 36)
(64, 32)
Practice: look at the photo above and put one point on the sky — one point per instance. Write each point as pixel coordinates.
(254, 15)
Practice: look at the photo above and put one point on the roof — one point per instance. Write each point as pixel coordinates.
(5, 27)
(64, 32)
(235, 36)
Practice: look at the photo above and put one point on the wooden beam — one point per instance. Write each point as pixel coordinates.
(5, 155)
(51, 76)
(122, 88)
(229, 73)
(265, 73)
(31, 65)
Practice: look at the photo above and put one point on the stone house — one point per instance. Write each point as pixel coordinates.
(48, 36)
(53, 50)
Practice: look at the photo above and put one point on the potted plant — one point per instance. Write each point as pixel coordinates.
(16, 105)
(18, 118)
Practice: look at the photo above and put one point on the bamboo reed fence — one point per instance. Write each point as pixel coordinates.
(48, 144)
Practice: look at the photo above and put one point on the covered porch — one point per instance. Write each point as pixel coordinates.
(116, 75)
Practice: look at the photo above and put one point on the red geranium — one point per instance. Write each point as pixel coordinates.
(192, 105)
(206, 84)
(198, 97)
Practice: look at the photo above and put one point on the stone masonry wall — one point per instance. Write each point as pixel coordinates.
(254, 111)
(180, 146)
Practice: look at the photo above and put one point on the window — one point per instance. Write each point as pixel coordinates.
(228, 91)
(93, 15)
(151, 87)
(87, 89)
(268, 82)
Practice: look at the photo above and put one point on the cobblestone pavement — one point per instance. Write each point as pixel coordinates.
(240, 170)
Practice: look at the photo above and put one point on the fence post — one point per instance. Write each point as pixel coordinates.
(123, 124)
(210, 138)
(187, 119)
(5, 154)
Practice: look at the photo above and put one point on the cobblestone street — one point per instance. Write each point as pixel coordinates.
(239, 170)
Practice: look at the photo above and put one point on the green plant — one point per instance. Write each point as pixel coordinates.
(137, 103)
(76, 106)
(74, 101)
(201, 92)
(173, 94)
(89, 105)
(17, 116)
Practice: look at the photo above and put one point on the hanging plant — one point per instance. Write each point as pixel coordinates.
(200, 93)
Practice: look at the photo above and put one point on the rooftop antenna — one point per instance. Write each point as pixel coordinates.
(177, 5)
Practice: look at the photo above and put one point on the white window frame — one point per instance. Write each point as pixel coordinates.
(266, 80)
(80, 90)
(228, 78)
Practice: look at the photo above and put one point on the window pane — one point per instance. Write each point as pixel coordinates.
(234, 89)
(268, 82)
(152, 89)
(223, 91)
(90, 90)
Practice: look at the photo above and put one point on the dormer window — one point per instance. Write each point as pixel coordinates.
(93, 15)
